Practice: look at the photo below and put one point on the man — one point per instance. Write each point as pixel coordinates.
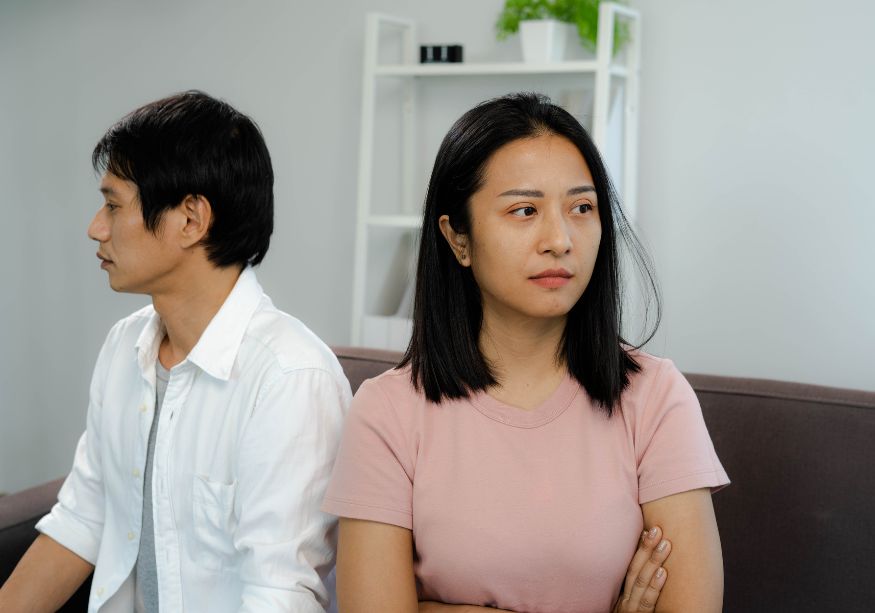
(213, 417)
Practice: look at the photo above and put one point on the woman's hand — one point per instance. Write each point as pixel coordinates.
(646, 576)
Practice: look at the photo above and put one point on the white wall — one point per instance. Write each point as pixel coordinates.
(68, 70)
(756, 192)
(755, 132)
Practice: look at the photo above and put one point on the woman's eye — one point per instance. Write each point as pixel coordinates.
(523, 211)
(583, 207)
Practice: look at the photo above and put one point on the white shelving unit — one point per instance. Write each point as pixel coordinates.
(389, 327)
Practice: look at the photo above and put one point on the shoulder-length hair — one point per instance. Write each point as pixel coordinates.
(444, 353)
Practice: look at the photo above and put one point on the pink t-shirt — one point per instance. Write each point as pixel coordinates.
(535, 511)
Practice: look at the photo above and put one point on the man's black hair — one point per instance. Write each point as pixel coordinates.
(444, 352)
(193, 144)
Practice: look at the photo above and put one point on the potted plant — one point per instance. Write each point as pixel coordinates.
(541, 24)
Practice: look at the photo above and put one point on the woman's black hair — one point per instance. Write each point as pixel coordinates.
(444, 353)
(193, 144)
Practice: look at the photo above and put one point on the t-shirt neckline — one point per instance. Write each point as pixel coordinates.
(547, 411)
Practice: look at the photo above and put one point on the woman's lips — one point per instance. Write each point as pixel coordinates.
(552, 278)
(550, 282)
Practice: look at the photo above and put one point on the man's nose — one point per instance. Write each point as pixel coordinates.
(98, 229)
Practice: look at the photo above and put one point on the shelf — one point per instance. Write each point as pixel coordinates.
(386, 239)
(386, 331)
(395, 221)
(494, 68)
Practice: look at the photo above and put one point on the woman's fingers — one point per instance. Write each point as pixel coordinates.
(649, 540)
(643, 581)
(651, 594)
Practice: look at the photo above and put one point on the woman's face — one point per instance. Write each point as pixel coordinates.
(535, 230)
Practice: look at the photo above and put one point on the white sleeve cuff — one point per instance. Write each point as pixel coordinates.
(63, 527)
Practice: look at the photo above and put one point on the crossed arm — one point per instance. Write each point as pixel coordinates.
(695, 568)
(375, 563)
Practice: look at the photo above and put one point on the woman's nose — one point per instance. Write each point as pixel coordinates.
(555, 235)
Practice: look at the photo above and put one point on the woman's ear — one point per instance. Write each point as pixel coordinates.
(198, 216)
(458, 242)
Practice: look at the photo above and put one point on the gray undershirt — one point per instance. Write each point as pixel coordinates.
(147, 573)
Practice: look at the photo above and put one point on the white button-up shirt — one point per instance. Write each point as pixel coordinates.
(246, 440)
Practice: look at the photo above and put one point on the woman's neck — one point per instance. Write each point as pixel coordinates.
(523, 354)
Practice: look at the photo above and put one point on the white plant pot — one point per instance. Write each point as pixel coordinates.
(543, 40)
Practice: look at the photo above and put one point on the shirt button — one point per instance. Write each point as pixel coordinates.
(142, 408)
(136, 472)
(100, 591)
(131, 536)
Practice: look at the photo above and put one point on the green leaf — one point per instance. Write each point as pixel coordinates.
(584, 14)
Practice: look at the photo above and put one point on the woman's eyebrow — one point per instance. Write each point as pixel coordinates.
(528, 193)
(534, 193)
(581, 190)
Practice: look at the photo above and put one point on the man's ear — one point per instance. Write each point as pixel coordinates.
(197, 217)
(458, 242)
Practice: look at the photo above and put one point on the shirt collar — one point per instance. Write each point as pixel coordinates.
(216, 350)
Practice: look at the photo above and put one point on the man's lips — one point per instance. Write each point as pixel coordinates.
(103, 259)
(552, 278)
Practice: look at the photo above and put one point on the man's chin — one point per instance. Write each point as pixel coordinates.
(123, 288)
(117, 286)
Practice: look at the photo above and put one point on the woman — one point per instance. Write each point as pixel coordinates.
(514, 456)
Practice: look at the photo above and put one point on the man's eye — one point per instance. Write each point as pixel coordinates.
(523, 211)
(111, 206)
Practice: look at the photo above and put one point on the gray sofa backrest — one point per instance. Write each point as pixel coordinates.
(797, 524)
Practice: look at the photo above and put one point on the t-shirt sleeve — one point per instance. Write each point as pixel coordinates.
(373, 473)
(674, 450)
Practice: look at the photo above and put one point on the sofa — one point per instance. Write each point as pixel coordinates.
(797, 524)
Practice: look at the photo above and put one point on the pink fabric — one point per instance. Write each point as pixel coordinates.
(532, 511)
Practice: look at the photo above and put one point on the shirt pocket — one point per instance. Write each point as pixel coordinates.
(214, 522)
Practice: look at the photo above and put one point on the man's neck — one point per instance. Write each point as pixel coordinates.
(187, 308)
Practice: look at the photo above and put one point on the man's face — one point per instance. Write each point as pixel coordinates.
(136, 260)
